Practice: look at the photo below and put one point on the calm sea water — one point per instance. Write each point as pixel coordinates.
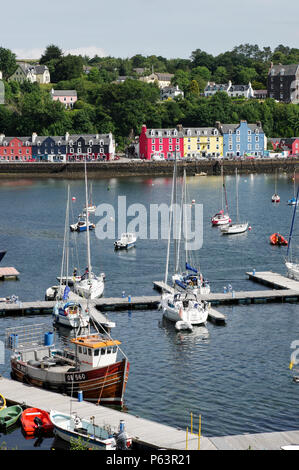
(235, 376)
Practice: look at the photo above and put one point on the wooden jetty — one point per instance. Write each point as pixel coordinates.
(8, 273)
(146, 434)
(269, 278)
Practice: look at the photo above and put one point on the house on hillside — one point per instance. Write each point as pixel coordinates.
(283, 83)
(66, 97)
(233, 91)
(162, 79)
(171, 92)
(31, 73)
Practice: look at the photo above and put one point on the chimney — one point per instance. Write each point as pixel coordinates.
(143, 129)
(34, 136)
(1, 138)
(258, 123)
(217, 125)
(67, 136)
(179, 127)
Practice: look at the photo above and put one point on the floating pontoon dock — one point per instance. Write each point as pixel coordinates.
(146, 434)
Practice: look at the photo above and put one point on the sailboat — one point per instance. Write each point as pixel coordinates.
(291, 265)
(182, 307)
(90, 285)
(222, 218)
(189, 278)
(91, 206)
(66, 312)
(275, 197)
(237, 227)
(292, 201)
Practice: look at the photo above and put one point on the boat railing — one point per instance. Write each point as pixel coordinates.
(27, 336)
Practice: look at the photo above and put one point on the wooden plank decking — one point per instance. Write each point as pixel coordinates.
(146, 433)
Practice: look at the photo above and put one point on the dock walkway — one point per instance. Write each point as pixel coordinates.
(145, 433)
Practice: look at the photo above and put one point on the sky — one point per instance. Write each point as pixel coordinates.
(167, 28)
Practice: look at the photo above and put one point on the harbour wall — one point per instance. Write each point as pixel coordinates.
(118, 168)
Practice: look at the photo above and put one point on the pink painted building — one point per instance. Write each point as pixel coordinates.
(163, 142)
(66, 97)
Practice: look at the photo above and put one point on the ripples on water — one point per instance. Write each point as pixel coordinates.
(235, 376)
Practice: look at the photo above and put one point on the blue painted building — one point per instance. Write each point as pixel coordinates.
(243, 139)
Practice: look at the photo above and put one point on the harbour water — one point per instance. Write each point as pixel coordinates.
(235, 376)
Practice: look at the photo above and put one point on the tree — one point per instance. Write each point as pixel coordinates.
(52, 52)
(7, 62)
(67, 67)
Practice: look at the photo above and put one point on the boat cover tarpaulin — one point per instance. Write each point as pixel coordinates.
(66, 293)
(190, 268)
(179, 283)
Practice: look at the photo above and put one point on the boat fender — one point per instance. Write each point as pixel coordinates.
(121, 440)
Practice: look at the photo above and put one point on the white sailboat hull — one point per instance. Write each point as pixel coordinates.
(293, 270)
(234, 228)
(90, 288)
(196, 314)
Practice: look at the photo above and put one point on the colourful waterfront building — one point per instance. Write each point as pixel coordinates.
(203, 142)
(165, 143)
(15, 148)
(242, 139)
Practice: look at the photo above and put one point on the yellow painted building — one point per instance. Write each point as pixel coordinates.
(202, 142)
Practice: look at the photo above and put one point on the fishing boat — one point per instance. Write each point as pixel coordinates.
(90, 286)
(222, 218)
(181, 303)
(69, 427)
(275, 197)
(126, 241)
(238, 227)
(36, 421)
(277, 239)
(9, 416)
(292, 200)
(292, 264)
(87, 363)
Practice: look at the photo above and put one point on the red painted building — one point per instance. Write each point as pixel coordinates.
(15, 148)
(163, 142)
(291, 145)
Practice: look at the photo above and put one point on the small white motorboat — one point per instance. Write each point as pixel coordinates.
(81, 225)
(126, 241)
(69, 427)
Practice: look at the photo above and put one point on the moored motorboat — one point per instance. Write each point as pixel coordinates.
(277, 239)
(126, 241)
(69, 427)
(36, 421)
(81, 225)
(88, 363)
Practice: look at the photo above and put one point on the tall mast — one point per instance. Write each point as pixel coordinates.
(175, 215)
(293, 220)
(169, 230)
(87, 223)
(237, 200)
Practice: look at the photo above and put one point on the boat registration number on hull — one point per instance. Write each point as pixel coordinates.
(75, 377)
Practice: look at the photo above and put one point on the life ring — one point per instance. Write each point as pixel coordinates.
(2, 402)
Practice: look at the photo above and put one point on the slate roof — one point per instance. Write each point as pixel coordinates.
(290, 69)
